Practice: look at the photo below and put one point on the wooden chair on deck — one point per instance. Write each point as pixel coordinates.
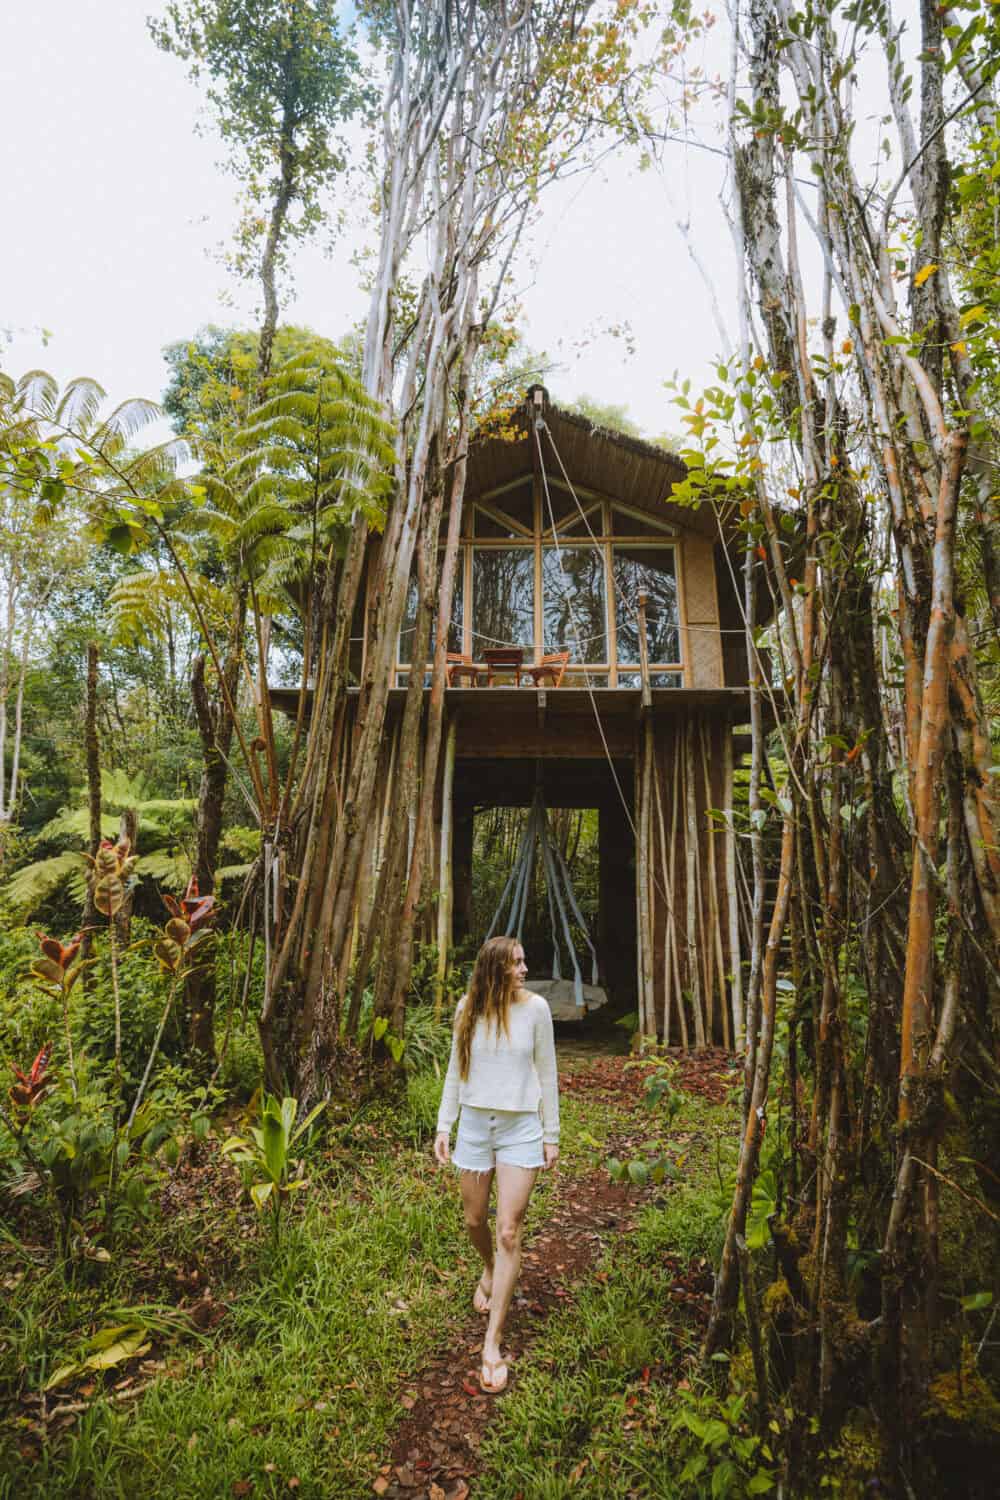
(552, 666)
(459, 665)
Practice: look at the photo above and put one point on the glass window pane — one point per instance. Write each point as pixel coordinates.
(503, 598)
(656, 679)
(410, 617)
(649, 569)
(573, 600)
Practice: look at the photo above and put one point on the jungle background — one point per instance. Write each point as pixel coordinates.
(228, 1265)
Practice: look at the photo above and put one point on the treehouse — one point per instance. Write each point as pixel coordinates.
(596, 659)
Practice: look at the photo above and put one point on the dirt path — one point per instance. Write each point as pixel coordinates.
(435, 1455)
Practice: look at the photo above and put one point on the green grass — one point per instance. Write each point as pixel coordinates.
(564, 1432)
(584, 1422)
(305, 1370)
(371, 1277)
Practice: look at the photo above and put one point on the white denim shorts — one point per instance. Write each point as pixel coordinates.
(512, 1137)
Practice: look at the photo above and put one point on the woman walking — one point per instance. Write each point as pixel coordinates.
(502, 1073)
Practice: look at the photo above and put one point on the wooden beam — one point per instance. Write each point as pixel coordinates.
(500, 489)
(445, 896)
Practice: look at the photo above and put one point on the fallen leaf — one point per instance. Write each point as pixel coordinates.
(192, 1442)
(380, 1485)
(242, 1486)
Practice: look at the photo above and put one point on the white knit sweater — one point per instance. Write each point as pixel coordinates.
(508, 1072)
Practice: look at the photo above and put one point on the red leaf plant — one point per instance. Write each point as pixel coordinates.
(58, 964)
(189, 916)
(30, 1087)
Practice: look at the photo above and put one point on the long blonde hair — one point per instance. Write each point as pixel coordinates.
(492, 989)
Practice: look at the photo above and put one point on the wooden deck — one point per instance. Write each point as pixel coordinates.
(556, 723)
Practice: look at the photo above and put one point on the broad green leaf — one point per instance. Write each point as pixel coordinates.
(260, 1192)
(760, 1484)
(275, 1147)
(116, 1354)
(316, 1110)
(976, 1301)
(64, 1373)
(107, 1336)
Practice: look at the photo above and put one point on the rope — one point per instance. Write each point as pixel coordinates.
(559, 891)
(540, 422)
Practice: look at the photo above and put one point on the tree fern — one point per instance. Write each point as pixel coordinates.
(26, 891)
(160, 819)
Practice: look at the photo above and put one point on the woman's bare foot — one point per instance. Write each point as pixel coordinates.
(493, 1372)
(481, 1296)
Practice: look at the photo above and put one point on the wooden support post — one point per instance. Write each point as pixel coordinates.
(643, 882)
(714, 912)
(732, 904)
(668, 901)
(692, 883)
(445, 880)
(675, 801)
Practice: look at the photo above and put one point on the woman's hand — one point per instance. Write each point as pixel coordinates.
(551, 1153)
(442, 1151)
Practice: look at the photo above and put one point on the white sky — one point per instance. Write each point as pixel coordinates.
(115, 206)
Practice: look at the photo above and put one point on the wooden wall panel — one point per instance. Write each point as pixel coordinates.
(701, 642)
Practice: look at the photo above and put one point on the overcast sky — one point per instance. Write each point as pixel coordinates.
(116, 209)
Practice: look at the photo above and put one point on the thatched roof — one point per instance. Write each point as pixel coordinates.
(612, 464)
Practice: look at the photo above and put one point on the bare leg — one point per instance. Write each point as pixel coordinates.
(514, 1186)
(476, 1203)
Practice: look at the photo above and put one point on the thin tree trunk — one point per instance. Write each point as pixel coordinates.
(92, 751)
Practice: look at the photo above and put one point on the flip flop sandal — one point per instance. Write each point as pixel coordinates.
(481, 1298)
(492, 1385)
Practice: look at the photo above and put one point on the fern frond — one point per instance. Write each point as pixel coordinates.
(170, 870)
(120, 790)
(128, 418)
(292, 426)
(79, 404)
(26, 891)
(74, 822)
(166, 807)
(38, 391)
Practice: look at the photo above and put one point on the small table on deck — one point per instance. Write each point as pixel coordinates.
(504, 659)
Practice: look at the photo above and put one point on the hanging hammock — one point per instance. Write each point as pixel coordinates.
(561, 897)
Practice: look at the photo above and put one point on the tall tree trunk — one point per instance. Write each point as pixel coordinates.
(215, 729)
(92, 752)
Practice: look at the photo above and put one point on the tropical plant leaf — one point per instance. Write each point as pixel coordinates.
(25, 892)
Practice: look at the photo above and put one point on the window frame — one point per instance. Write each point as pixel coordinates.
(598, 510)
